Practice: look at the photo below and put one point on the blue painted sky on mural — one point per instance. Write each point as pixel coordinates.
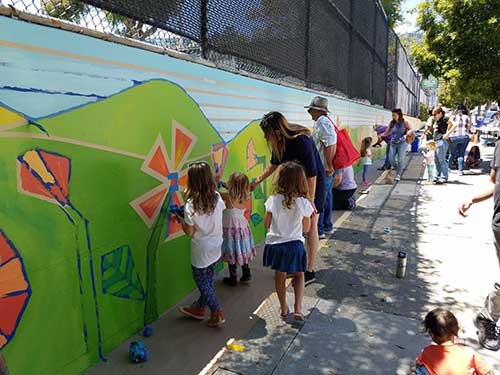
(228, 100)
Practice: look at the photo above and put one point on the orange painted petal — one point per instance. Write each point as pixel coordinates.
(158, 162)
(12, 278)
(183, 142)
(60, 168)
(182, 181)
(11, 308)
(248, 209)
(30, 184)
(3, 341)
(151, 204)
(251, 154)
(174, 226)
(6, 250)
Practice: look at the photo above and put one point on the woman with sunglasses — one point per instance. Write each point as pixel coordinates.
(442, 129)
(290, 142)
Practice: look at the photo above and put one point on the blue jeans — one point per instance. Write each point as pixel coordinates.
(204, 279)
(441, 164)
(366, 168)
(421, 370)
(325, 217)
(387, 162)
(397, 155)
(457, 148)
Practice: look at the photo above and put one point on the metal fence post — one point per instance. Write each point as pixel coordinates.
(387, 30)
(374, 51)
(307, 52)
(350, 57)
(396, 68)
(204, 28)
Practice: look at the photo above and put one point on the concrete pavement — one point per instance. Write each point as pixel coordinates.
(360, 318)
(363, 320)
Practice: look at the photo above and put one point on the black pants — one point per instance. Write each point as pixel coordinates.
(341, 198)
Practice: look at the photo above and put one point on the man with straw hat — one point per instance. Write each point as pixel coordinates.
(325, 138)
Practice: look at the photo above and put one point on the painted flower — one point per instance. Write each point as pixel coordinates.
(44, 175)
(167, 170)
(15, 290)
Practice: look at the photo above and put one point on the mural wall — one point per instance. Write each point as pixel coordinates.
(95, 139)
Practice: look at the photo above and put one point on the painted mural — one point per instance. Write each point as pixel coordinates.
(95, 139)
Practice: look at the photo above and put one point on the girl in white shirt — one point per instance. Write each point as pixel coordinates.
(287, 218)
(203, 223)
(366, 157)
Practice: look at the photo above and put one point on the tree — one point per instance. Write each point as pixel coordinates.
(392, 9)
(76, 11)
(424, 112)
(461, 47)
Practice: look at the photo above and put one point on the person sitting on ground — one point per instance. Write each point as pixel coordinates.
(344, 187)
(447, 357)
(474, 158)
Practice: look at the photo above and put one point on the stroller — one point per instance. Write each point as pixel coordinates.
(474, 158)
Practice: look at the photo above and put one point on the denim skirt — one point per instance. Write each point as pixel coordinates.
(289, 257)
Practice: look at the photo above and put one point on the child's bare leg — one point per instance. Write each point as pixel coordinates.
(312, 242)
(298, 288)
(279, 282)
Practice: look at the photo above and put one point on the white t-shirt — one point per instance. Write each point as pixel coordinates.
(367, 160)
(286, 224)
(207, 240)
(324, 135)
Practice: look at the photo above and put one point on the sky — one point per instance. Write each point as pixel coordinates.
(409, 18)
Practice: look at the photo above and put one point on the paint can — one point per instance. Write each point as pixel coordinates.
(148, 331)
(401, 266)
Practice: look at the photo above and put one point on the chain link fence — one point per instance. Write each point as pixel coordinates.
(340, 46)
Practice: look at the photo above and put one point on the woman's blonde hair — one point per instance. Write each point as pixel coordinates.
(201, 188)
(365, 145)
(431, 145)
(278, 130)
(292, 183)
(238, 187)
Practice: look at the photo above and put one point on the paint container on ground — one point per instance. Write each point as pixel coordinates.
(401, 266)
(148, 331)
(138, 352)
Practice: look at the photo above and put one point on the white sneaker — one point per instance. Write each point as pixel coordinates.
(398, 178)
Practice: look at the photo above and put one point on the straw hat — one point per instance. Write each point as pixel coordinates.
(319, 103)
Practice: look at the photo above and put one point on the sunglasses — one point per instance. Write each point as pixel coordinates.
(201, 162)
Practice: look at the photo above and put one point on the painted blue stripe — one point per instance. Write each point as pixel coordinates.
(64, 41)
(49, 92)
(34, 106)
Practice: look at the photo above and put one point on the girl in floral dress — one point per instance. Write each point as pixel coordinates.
(237, 247)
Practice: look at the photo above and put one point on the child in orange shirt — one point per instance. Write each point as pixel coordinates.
(448, 358)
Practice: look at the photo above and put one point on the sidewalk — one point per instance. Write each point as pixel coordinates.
(361, 319)
(176, 337)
